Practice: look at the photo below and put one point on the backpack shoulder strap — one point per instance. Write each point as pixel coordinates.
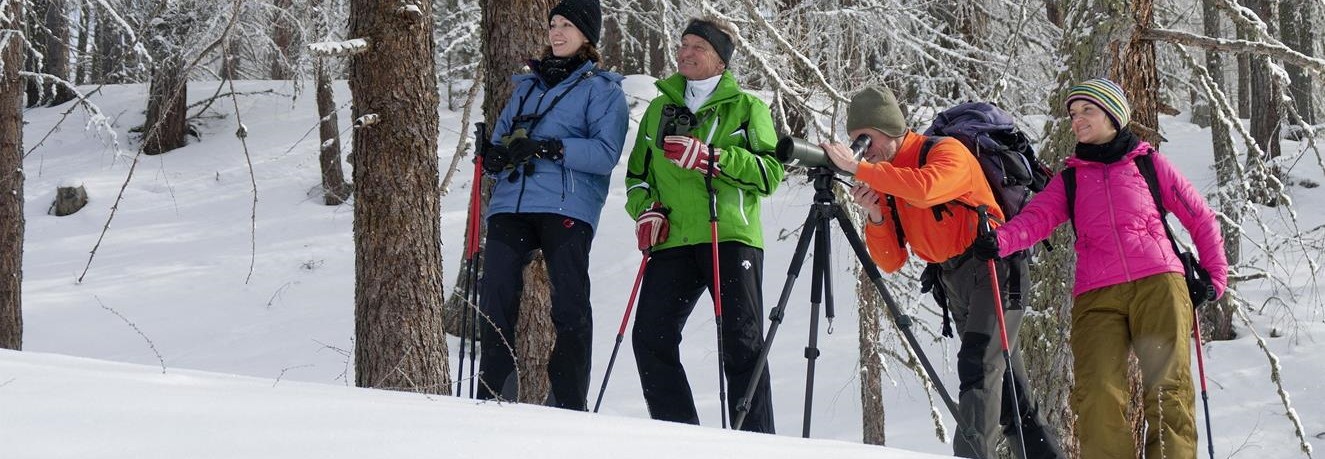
(1146, 165)
(897, 220)
(929, 144)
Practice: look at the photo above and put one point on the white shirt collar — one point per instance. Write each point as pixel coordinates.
(698, 92)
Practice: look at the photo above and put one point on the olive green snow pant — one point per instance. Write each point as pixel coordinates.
(1151, 317)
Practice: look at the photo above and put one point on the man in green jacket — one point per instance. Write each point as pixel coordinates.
(702, 130)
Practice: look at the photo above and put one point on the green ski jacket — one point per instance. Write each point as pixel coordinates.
(740, 126)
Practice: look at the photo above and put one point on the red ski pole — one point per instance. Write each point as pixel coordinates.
(621, 332)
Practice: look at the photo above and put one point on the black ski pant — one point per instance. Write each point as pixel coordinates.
(673, 282)
(512, 239)
(984, 401)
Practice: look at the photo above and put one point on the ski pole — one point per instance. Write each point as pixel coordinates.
(1003, 333)
(469, 322)
(1205, 396)
(621, 332)
(717, 288)
(717, 279)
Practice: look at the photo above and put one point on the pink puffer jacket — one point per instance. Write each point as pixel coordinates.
(1119, 235)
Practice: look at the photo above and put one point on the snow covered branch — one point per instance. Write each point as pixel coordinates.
(366, 120)
(1275, 50)
(340, 48)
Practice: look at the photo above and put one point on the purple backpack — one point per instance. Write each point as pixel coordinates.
(1005, 154)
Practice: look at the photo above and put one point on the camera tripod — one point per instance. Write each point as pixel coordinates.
(824, 210)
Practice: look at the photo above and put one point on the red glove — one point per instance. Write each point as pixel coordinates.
(689, 153)
(651, 227)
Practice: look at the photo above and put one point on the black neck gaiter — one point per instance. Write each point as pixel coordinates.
(1110, 152)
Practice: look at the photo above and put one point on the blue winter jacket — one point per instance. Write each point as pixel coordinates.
(590, 120)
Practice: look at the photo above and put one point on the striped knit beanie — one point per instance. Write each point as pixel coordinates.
(1107, 95)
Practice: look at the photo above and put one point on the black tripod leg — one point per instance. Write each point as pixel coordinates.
(818, 286)
(903, 321)
(775, 317)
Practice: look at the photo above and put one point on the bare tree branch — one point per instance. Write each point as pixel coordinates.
(1275, 50)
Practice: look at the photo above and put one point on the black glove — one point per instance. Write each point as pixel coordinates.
(985, 247)
(524, 148)
(496, 159)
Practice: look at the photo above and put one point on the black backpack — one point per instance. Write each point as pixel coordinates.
(1010, 167)
(1199, 285)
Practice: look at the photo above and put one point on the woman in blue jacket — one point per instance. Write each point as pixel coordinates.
(553, 151)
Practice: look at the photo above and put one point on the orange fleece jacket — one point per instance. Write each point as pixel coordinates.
(950, 173)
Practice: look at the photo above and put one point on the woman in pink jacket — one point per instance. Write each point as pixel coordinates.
(1130, 293)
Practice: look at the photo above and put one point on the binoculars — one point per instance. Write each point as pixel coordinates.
(675, 120)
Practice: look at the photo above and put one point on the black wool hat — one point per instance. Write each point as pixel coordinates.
(721, 42)
(585, 14)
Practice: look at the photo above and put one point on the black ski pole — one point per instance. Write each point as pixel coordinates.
(1205, 395)
(621, 332)
(1003, 333)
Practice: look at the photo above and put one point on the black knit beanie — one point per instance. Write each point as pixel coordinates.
(585, 14)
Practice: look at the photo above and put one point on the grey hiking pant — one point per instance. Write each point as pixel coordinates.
(984, 402)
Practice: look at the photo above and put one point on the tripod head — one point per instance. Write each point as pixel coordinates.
(823, 177)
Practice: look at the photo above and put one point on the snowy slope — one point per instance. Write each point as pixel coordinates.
(170, 286)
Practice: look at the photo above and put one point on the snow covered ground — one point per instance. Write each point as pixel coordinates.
(169, 348)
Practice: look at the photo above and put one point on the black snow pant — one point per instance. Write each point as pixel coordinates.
(984, 399)
(512, 239)
(673, 282)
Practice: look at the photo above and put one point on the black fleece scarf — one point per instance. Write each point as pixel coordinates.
(1110, 152)
(553, 70)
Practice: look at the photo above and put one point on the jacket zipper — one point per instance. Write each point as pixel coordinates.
(1113, 223)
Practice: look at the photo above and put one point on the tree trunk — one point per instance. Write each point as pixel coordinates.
(1135, 71)
(1053, 12)
(81, 64)
(230, 60)
(512, 32)
(334, 189)
(871, 361)
(1244, 77)
(55, 47)
(1217, 319)
(11, 176)
(34, 33)
(167, 125)
(968, 23)
(282, 38)
(1265, 109)
(534, 334)
(632, 45)
(1298, 34)
(397, 216)
(109, 53)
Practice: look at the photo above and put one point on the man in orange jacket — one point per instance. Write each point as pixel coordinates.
(932, 209)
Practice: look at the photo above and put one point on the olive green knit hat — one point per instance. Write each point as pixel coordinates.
(876, 107)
